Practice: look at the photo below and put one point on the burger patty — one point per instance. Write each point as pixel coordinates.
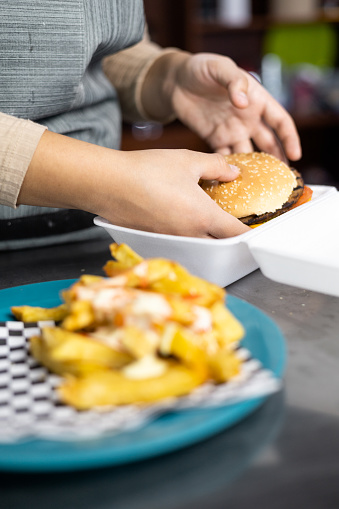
(293, 198)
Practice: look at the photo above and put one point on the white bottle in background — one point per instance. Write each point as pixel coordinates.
(235, 13)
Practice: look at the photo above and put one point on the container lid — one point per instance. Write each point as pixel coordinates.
(303, 249)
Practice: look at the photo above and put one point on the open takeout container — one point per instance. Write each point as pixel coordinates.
(299, 248)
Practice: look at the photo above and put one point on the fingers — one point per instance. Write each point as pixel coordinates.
(221, 224)
(214, 167)
(225, 151)
(267, 141)
(206, 219)
(166, 177)
(282, 123)
(292, 146)
(224, 143)
(218, 223)
(243, 146)
(225, 72)
(224, 226)
(222, 147)
(280, 136)
(237, 90)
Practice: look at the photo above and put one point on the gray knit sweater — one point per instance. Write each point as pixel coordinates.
(50, 67)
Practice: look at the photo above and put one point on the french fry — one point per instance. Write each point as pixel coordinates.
(139, 342)
(124, 254)
(148, 331)
(125, 259)
(69, 352)
(224, 366)
(106, 388)
(180, 282)
(227, 328)
(81, 316)
(182, 310)
(162, 275)
(142, 275)
(70, 294)
(180, 342)
(89, 279)
(37, 314)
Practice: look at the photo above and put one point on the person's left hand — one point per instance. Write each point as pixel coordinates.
(230, 109)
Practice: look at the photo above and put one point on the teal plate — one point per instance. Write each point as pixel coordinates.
(167, 433)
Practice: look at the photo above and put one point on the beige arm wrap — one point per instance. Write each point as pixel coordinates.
(18, 141)
(127, 70)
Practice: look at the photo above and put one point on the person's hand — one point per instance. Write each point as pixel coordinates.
(226, 106)
(158, 191)
(151, 190)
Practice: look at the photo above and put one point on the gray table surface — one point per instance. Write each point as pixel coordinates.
(283, 456)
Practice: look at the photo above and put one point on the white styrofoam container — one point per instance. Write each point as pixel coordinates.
(303, 251)
(299, 248)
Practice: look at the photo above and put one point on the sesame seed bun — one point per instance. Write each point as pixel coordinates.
(265, 188)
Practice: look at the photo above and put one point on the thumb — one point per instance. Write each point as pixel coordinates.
(226, 72)
(215, 167)
(237, 90)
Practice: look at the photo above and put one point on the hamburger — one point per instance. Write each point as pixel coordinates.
(265, 188)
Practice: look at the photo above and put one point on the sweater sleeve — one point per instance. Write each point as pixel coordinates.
(18, 141)
(127, 70)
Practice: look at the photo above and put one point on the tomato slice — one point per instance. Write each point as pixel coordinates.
(305, 197)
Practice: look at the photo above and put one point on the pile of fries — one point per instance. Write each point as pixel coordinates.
(146, 331)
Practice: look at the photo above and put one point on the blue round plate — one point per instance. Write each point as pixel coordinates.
(167, 433)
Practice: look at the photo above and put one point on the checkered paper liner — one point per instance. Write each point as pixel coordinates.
(30, 408)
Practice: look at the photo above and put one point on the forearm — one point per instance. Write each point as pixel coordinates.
(135, 189)
(67, 173)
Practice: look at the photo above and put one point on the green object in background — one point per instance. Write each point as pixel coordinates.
(311, 43)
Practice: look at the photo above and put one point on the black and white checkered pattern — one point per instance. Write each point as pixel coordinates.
(24, 384)
(29, 405)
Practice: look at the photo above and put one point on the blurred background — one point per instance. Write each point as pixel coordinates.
(291, 45)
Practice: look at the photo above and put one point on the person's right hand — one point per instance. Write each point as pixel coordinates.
(157, 190)
(151, 190)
